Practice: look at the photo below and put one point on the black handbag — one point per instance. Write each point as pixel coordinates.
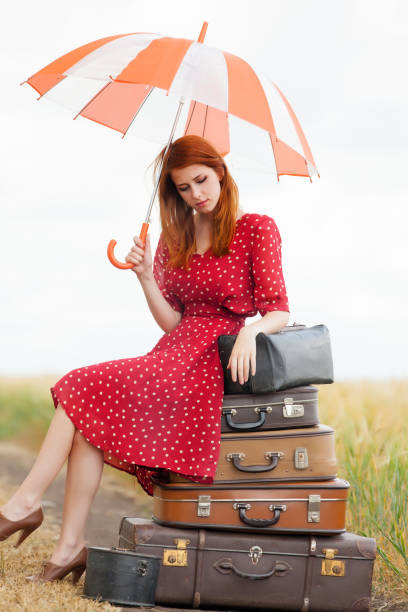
(293, 357)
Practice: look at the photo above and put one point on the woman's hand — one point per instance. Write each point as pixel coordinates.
(141, 256)
(243, 355)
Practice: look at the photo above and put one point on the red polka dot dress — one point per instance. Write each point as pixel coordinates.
(161, 411)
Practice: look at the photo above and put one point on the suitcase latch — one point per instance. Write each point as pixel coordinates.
(204, 505)
(330, 565)
(291, 410)
(178, 557)
(301, 458)
(313, 511)
(255, 553)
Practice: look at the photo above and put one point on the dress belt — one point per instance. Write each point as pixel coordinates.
(199, 309)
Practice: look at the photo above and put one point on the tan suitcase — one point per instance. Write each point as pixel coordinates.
(304, 453)
(292, 507)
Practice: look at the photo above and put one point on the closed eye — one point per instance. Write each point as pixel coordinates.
(185, 188)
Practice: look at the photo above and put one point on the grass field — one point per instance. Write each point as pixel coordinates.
(371, 423)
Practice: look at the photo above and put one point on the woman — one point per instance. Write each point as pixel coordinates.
(214, 266)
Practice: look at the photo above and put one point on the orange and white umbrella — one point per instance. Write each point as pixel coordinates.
(141, 81)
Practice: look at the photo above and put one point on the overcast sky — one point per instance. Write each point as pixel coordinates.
(68, 187)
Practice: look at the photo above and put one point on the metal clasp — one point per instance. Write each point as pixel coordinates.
(313, 545)
(238, 505)
(230, 456)
(178, 557)
(268, 410)
(313, 511)
(204, 505)
(330, 565)
(270, 454)
(291, 410)
(255, 553)
(301, 458)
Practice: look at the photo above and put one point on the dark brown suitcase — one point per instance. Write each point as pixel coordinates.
(289, 507)
(304, 453)
(295, 407)
(204, 568)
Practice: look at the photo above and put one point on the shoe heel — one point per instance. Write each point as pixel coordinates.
(24, 534)
(77, 573)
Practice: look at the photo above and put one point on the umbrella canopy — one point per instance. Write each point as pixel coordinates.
(136, 81)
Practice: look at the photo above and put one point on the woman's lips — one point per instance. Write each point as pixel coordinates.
(202, 203)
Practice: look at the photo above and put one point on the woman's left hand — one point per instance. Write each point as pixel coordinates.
(243, 355)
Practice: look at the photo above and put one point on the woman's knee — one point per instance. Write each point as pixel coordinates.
(79, 439)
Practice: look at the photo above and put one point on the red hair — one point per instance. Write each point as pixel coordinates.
(177, 217)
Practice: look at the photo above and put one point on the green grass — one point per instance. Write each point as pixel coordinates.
(26, 408)
(371, 423)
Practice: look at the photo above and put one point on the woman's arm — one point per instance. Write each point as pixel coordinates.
(165, 316)
(270, 323)
(243, 354)
(270, 298)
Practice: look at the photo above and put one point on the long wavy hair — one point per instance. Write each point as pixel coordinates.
(177, 217)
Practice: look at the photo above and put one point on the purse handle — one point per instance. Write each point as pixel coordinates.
(293, 327)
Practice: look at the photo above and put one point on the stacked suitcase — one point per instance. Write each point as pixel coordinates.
(269, 533)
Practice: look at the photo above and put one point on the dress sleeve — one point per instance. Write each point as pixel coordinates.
(269, 284)
(161, 274)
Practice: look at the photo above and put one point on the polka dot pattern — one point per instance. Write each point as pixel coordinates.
(161, 411)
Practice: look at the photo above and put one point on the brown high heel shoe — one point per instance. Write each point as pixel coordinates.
(51, 571)
(27, 524)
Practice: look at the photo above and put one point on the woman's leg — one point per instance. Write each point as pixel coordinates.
(85, 466)
(50, 459)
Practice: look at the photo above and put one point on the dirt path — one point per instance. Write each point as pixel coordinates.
(112, 501)
(115, 499)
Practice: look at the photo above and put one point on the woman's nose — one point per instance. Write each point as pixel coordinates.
(196, 192)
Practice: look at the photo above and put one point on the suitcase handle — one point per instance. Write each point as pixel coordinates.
(242, 508)
(229, 413)
(226, 566)
(237, 457)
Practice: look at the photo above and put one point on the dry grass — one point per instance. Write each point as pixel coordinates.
(20, 595)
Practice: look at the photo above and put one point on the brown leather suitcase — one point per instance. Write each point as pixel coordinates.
(289, 507)
(304, 453)
(201, 568)
(295, 407)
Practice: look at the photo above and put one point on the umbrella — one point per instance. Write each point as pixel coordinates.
(141, 82)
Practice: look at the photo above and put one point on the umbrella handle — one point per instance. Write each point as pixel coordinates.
(118, 264)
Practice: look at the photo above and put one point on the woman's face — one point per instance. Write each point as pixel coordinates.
(198, 183)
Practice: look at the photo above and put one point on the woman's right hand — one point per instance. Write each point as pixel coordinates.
(141, 256)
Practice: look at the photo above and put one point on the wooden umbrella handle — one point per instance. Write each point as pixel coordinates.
(111, 246)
